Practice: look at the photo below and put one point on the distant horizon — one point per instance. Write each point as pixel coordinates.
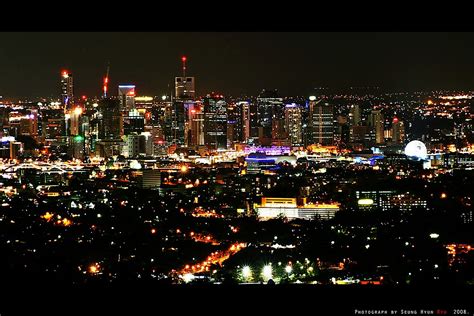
(332, 91)
(235, 63)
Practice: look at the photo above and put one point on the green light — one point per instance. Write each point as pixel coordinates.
(78, 138)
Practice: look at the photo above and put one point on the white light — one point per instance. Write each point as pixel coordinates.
(288, 269)
(434, 235)
(267, 272)
(163, 98)
(436, 266)
(367, 246)
(417, 150)
(312, 98)
(246, 272)
(188, 277)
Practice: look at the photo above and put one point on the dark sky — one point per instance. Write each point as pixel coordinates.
(236, 63)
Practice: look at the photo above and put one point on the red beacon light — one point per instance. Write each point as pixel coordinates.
(183, 58)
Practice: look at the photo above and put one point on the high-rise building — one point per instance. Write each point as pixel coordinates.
(75, 126)
(53, 125)
(139, 144)
(126, 94)
(184, 85)
(184, 88)
(110, 123)
(398, 131)
(195, 124)
(176, 123)
(270, 115)
(235, 126)
(376, 121)
(133, 123)
(321, 123)
(215, 122)
(67, 90)
(293, 123)
(354, 115)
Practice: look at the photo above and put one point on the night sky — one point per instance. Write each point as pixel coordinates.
(235, 63)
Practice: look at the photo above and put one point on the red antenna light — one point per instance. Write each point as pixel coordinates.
(183, 59)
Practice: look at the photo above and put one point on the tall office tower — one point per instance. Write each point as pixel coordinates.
(321, 123)
(244, 107)
(53, 124)
(398, 131)
(139, 144)
(4, 124)
(77, 147)
(354, 115)
(253, 122)
(110, 123)
(134, 122)
(184, 86)
(215, 122)
(293, 124)
(126, 94)
(234, 124)
(195, 124)
(376, 121)
(177, 118)
(75, 127)
(67, 90)
(270, 108)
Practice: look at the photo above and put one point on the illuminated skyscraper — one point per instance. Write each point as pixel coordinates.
(195, 124)
(184, 85)
(321, 123)
(67, 90)
(126, 94)
(270, 110)
(133, 123)
(293, 124)
(215, 122)
(110, 125)
(235, 126)
(398, 131)
(376, 121)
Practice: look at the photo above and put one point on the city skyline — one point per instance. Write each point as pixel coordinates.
(310, 161)
(235, 63)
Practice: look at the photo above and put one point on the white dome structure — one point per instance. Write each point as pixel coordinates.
(134, 164)
(416, 150)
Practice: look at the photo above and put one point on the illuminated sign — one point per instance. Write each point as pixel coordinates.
(365, 202)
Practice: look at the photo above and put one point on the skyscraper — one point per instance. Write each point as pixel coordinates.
(133, 123)
(398, 131)
(126, 94)
(184, 85)
(376, 121)
(195, 132)
(293, 124)
(270, 110)
(110, 124)
(184, 88)
(321, 123)
(234, 124)
(67, 90)
(215, 122)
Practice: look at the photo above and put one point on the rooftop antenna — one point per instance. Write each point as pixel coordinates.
(106, 80)
(183, 59)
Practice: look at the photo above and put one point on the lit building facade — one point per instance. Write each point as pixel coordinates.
(289, 208)
(215, 122)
